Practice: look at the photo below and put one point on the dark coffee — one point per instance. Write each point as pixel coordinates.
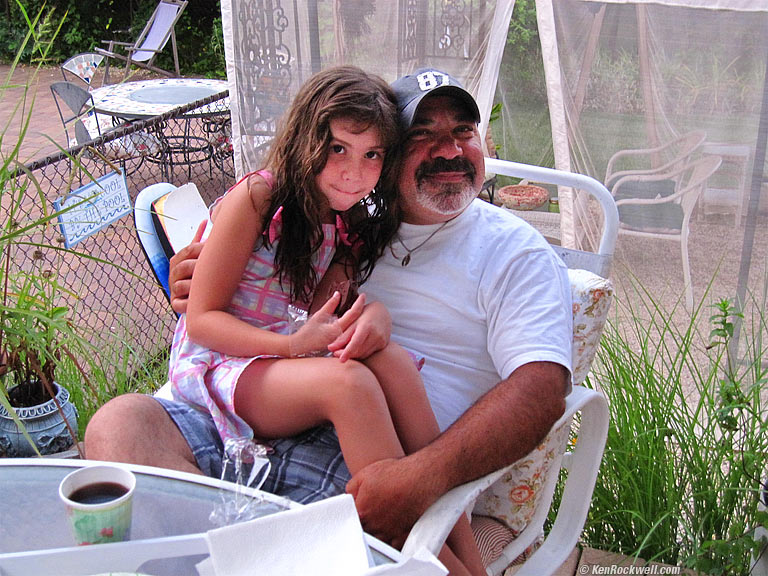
(98, 493)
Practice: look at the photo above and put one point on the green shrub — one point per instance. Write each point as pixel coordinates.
(687, 446)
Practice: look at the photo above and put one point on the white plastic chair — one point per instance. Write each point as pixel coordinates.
(158, 30)
(661, 205)
(583, 461)
(660, 159)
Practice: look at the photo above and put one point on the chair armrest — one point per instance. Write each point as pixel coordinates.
(133, 49)
(648, 178)
(116, 43)
(577, 490)
(609, 174)
(612, 179)
(431, 530)
(621, 154)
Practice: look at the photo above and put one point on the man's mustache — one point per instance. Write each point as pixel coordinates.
(438, 165)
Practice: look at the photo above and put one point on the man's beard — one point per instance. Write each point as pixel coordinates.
(446, 198)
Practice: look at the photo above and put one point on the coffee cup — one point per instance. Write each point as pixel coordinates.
(99, 500)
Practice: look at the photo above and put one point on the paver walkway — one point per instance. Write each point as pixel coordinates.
(30, 90)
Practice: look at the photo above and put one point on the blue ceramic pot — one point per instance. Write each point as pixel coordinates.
(43, 423)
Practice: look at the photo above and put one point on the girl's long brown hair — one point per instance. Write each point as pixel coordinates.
(300, 151)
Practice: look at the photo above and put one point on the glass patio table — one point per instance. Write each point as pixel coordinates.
(142, 99)
(171, 513)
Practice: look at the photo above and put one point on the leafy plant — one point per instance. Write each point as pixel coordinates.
(34, 329)
(688, 439)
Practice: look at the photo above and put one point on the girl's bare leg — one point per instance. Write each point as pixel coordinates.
(416, 427)
(282, 397)
(407, 400)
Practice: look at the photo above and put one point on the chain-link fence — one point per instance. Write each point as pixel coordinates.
(113, 294)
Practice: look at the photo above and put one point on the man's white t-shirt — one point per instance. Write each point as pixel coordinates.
(479, 299)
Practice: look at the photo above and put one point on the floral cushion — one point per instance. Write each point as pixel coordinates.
(510, 503)
(514, 497)
(591, 298)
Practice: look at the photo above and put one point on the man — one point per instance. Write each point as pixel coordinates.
(474, 290)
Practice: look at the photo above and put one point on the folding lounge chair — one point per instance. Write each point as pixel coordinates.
(502, 499)
(158, 30)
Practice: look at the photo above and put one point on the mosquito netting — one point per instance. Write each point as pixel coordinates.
(682, 77)
(684, 80)
(272, 46)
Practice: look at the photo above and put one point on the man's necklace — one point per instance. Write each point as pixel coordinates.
(404, 261)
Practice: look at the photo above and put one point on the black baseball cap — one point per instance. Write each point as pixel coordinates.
(410, 90)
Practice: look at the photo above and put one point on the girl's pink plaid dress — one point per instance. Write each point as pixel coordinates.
(206, 378)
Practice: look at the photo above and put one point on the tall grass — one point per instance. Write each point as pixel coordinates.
(688, 441)
(35, 310)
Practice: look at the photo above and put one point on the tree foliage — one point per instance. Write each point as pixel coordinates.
(88, 22)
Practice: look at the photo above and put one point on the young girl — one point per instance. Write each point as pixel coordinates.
(275, 235)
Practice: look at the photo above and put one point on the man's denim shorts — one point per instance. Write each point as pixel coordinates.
(305, 468)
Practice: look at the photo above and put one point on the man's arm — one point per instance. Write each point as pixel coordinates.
(500, 428)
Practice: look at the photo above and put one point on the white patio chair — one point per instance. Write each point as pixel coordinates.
(664, 158)
(661, 205)
(495, 495)
(158, 30)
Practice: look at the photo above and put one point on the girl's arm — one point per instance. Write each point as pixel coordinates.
(239, 223)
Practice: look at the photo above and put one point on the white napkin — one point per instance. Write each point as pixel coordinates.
(323, 538)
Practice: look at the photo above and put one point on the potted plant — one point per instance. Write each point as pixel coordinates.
(37, 416)
(35, 331)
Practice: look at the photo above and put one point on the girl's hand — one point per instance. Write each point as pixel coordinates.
(323, 327)
(368, 334)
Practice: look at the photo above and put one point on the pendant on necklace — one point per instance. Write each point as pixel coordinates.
(406, 260)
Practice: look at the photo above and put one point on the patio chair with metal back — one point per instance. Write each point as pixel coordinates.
(80, 105)
(76, 111)
(152, 40)
(511, 504)
(82, 66)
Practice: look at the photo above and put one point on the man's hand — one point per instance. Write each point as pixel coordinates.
(369, 334)
(182, 265)
(391, 495)
(504, 425)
